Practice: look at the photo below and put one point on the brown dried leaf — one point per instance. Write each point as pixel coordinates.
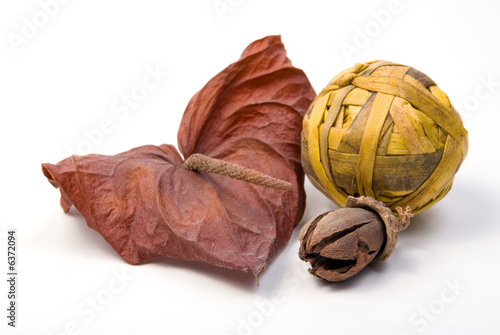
(145, 204)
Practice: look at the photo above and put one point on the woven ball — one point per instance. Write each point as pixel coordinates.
(383, 130)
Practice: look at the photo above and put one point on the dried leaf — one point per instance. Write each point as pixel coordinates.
(145, 204)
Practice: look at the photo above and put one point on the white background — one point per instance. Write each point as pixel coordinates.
(63, 79)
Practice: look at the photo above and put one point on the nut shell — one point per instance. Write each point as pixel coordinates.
(392, 224)
(340, 243)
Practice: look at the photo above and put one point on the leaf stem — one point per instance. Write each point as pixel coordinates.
(235, 171)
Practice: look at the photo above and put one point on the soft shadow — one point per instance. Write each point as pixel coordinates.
(92, 238)
(466, 213)
(245, 281)
(471, 208)
(316, 203)
(366, 279)
(242, 280)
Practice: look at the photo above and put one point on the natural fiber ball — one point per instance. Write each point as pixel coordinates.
(383, 130)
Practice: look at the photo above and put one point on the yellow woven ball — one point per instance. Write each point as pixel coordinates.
(383, 130)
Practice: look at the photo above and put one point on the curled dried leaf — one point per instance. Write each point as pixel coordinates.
(146, 204)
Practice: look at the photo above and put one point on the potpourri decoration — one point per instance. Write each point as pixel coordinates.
(386, 131)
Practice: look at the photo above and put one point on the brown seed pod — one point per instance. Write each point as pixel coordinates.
(340, 243)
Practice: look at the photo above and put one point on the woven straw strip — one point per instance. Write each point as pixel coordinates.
(313, 136)
(369, 143)
(438, 179)
(351, 139)
(441, 195)
(372, 134)
(334, 110)
(375, 65)
(408, 171)
(422, 100)
(406, 119)
(440, 95)
(356, 97)
(429, 129)
(385, 136)
(412, 81)
(421, 78)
